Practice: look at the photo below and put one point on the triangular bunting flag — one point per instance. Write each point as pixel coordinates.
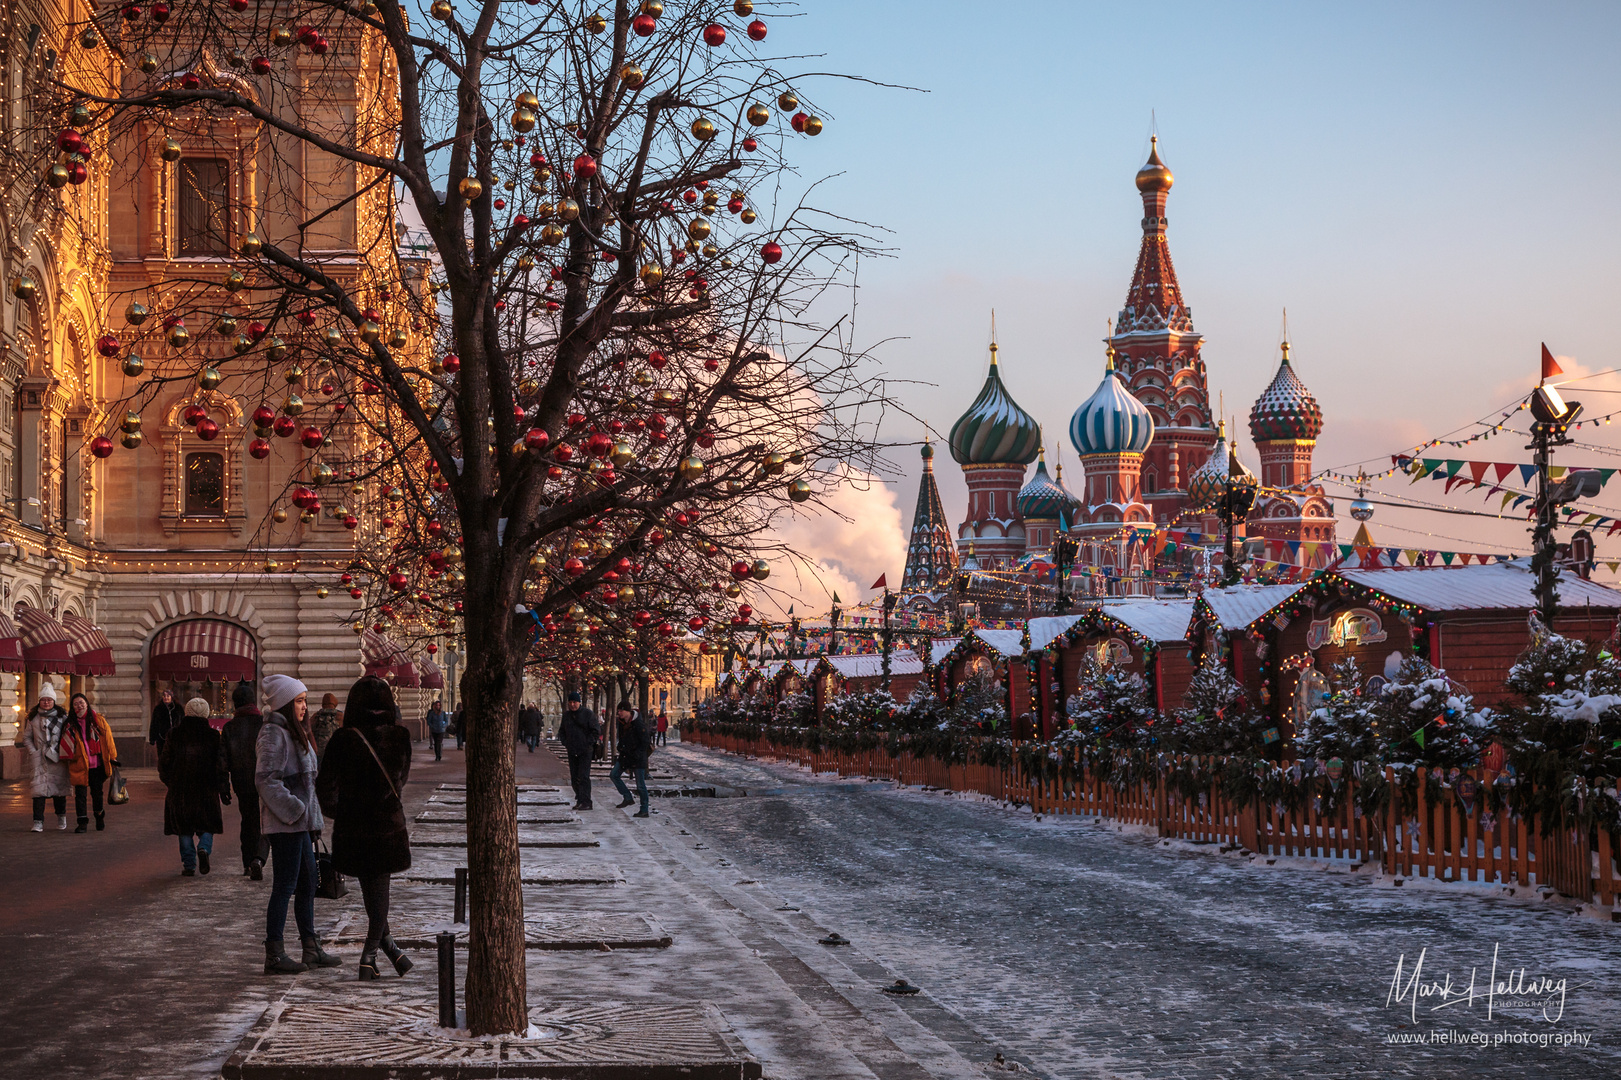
(1526, 473)
(1550, 368)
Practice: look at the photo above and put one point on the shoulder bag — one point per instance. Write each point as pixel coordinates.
(328, 882)
(387, 779)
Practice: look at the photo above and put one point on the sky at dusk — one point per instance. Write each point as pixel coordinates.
(1428, 189)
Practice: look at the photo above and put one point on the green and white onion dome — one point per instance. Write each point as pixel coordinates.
(1044, 497)
(1112, 420)
(1286, 409)
(1206, 485)
(994, 430)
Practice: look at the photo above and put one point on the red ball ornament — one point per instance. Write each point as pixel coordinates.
(799, 121)
(771, 252)
(207, 430)
(757, 30)
(432, 648)
(311, 437)
(346, 579)
(259, 449)
(714, 35)
(741, 570)
(305, 499)
(261, 65)
(351, 522)
(101, 446)
(751, 144)
(436, 528)
(585, 166)
(573, 567)
(644, 25)
(563, 451)
(107, 345)
(667, 629)
(257, 330)
(554, 472)
(284, 427)
(398, 581)
(356, 593)
(264, 416)
(745, 610)
(696, 623)
(711, 364)
(453, 363)
(536, 439)
(192, 414)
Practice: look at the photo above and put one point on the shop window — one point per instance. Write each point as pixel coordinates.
(205, 485)
(205, 207)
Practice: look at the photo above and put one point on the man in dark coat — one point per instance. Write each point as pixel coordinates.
(635, 743)
(165, 715)
(362, 776)
(579, 731)
(529, 726)
(192, 767)
(241, 738)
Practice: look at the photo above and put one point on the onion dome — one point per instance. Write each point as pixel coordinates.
(994, 430)
(1112, 420)
(1154, 176)
(1044, 497)
(1210, 480)
(1286, 410)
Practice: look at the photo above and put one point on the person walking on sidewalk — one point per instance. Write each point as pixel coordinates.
(289, 815)
(41, 733)
(324, 724)
(579, 731)
(192, 767)
(240, 739)
(165, 715)
(93, 764)
(664, 728)
(458, 726)
(635, 743)
(529, 726)
(365, 769)
(437, 723)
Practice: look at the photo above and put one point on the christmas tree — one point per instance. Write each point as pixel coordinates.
(1426, 719)
(1112, 708)
(1216, 716)
(1345, 726)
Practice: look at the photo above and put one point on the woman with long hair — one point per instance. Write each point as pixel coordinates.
(289, 816)
(362, 776)
(93, 764)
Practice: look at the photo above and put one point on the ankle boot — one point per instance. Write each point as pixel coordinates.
(368, 965)
(277, 962)
(396, 955)
(84, 825)
(101, 822)
(315, 957)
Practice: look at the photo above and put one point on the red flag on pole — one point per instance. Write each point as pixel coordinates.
(1550, 367)
(882, 582)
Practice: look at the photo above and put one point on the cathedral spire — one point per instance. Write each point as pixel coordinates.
(1154, 301)
(931, 553)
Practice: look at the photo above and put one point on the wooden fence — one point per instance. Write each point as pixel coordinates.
(1446, 839)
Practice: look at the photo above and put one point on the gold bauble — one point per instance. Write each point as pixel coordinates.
(595, 23)
(537, 562)
(397, 339)
(209, 378)
(760, 570)
(24, 288)
(440, 10)
(294, 375)
(279, 515)
(813, 125)
(748, 216)
(759, 114)
(568, 210)
(369, 330)
(250, 244)
(734, 590)
(133, 365)
(470, 188)
(276, 349)
(703, 129)
(734, 487)
(786, 100)
(226, 326)
(358, 628)
(271, 566)
(698, 229)
(148, 63)
(652, 275)
(743, 8)
(170, 150)
(775, 464)
(58, 176)
(654, 8)
(309, 517)
(710, 251)
(235, 281)
(333, 337)
(632, 76)
(452, 554)
(621, 454)
(526, 262)
(527, 100)
(135, 314)
(281, 37)
(799, 490)
(322, 592)
(523, 120)
(552, 235)
(178, 338)
(293, 405)
(690, 468)
(321, 474)
(131, 439)
(242, 344)
(797, 457)
(131, 422)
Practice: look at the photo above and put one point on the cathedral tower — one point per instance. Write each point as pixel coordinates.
(993, 441)
(931, 558)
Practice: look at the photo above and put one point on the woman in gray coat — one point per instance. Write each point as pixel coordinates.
(289, 816)
(42, 735)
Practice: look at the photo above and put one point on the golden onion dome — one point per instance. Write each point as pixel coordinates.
(1154, 176)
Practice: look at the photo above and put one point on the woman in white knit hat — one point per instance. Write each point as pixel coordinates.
(41, 733)
(289, 815)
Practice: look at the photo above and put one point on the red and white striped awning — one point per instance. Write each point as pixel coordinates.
(11, 646)
(47, 647)
(92, 652)
(203, 650)
(432, 677)
(387, 660)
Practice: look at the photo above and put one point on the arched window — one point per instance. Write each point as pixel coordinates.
(205, 485)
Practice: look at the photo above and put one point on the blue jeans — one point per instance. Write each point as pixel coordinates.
(292, 857)
(616, 774)
(191, 845)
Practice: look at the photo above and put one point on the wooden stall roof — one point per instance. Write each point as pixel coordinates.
(1497, 587)
(1047, 628)
(1005, 643)
(871, 665)
(1155, 620)
(1238, 607)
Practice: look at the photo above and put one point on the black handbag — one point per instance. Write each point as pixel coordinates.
(328, 882)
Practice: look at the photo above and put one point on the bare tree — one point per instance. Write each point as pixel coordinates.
(586, 387)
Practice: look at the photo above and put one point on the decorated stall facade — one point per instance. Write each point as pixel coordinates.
(984, 658)
(1226, 622)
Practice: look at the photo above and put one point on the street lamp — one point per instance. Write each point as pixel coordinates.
(1552, 417)
(1065, 550)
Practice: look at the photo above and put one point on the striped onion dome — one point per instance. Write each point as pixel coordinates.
(1044, 497)
(1286, 410)
(994, 430)
(1112, 421)
(1206, 485)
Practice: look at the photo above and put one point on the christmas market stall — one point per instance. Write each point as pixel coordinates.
(860, 673)
(983, 658)
(1224, 622)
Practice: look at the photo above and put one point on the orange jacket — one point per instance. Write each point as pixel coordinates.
(79, 767)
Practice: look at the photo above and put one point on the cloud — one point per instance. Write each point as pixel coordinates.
(846, 544)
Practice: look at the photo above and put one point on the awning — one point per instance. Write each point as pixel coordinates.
(380, 655)
(203, 650)
(432, 677)
(11, 646)
(405, 676)
(91, 650)
(47, 647)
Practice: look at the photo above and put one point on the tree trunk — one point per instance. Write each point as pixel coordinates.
(497, 989)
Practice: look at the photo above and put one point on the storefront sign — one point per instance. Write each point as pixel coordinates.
(1357, 626)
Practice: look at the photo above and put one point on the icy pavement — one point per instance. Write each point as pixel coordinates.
(1087, 951)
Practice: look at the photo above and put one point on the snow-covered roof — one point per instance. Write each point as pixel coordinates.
(1044, 629)
(1006, 642)
(939, 647)
(871, 665)
(1156, 620)
(1476, 588)
(1237, 607)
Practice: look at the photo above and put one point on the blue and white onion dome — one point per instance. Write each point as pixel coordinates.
(1044, 497)
(1112, 421)
(994, 430)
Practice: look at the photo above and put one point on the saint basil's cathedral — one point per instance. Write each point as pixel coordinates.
(1155, 461)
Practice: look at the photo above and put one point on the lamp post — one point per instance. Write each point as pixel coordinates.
(889, 634)
(1237, 496)
(1552, 417)
(1065, 550)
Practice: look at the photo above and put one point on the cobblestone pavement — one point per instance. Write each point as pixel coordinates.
(1086, 951)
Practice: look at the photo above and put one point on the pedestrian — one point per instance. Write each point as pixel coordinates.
(192, 767)
(634, 744)
(290, 816)
(458, 724)
(93, 762)
(664, 728)
(437, 723)
(165, 715)
(579, 731)
(529, 725)
(324, 723)
(42, 735)
(240, 738)
(362, 775)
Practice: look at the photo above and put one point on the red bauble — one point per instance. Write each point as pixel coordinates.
(771, 252)
(658, 438)
(599, 445)
(453, 363)
(319, 47)
(70, 141)
(78, 173)
(436, 528)
(751, 144)
(356, 593)
(101, 446)
(346, 579)
(667, 629)
(799, 121)
(585, 166)
(264, 416)
(696, 623)
(239, 5)
(734, 205)
(744, 610)
(706, 439)
(689, 196)
(741, 570)
(285, 426)
(207, 430)
(192, 414)
(536, 439)
(610, 596)
(132, 12)
(562, 451)
(644, 25)
(537, 159)
(261, 65)
(398, 581)
(351, 522)
(160, 13)
(554, 472)
(714, 35)
(305, 499)
(312, 437)
(573, 567)
(257, 330)
(711, 364)
(432, 648)
(107, 346)
(757, 30)
(259, 449)
(656, 360)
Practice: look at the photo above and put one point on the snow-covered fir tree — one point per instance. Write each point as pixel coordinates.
(1111, 707)
(1427, 720)
(1345, 725)
(1216, 716)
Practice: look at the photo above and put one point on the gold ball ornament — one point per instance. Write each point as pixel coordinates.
(698, 229)
(171, 150)
(58, 176)
(758, 114)
(523, 120)
(148, 63)
(276, 349)
(242, 344)
(813, 125)
(786, 100)
(209, 378)
(271, 566)
(654, 8)
(748, 216)
(369, 331)
(760, 570)
(552, 235)
(621, 454)
(440, 10)
(281, 37)
(703, 129)
(321, 474)
(743, 8)
(130, 423)
(133, 365)
(131, 439)
(734, 590)
(652, 276)
(178, 337)
(322, 592)
(135, 314)
(527, 100)
(24, 288)
(775, 464)
(226, 326)
(568, 210)
(250, 244)
(279, 515)
(470, 188)
(710, 251)
(333, 337)
(632, 76)
(799, 490)
(293, 405)
(235, 281)
(398, 339)
(294, 375)
(595, 23)
(690, 468)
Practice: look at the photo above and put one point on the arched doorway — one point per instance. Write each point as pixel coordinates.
(203, 658)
